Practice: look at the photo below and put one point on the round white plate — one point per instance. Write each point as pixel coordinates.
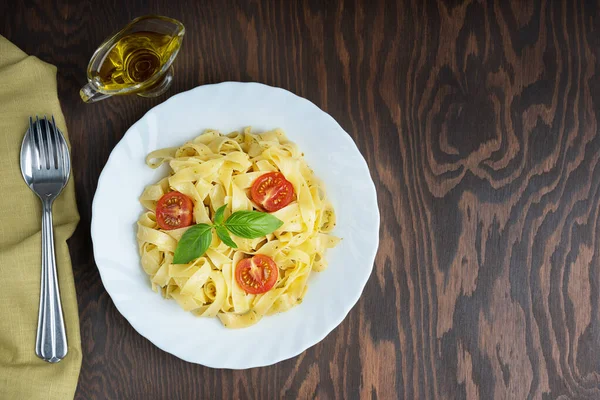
(331, 294)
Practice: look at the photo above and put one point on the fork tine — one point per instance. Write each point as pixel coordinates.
(36, 145)
(63, 150)
(49, 145)
(52, 144)
(42, 144)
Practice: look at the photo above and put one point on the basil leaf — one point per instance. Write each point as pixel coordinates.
(252, 224)
(193, 243)
(224, 236)
(219, 214)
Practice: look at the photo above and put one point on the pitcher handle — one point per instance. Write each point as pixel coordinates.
(90, 94)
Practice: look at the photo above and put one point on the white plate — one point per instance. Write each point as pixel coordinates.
(331, 294)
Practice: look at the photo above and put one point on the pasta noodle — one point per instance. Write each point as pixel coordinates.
(215, 169)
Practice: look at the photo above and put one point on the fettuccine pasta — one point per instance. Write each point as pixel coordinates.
(216, 169)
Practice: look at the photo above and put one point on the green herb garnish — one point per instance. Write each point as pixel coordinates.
(252, 224)
(224, 236)
(219, 214)
(245, 224)
(194, 242)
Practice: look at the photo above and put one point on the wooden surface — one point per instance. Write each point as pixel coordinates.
(478, 120)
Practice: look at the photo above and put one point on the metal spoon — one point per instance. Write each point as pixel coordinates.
(46, 165)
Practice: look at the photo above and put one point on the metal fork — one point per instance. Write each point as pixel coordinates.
(46, 165)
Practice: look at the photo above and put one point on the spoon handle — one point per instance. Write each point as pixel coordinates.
(51, 340)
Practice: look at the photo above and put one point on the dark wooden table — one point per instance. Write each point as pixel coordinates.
(478, 120)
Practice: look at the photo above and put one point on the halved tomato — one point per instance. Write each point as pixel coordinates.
(174, 210)
(272, 191)
(257, 274)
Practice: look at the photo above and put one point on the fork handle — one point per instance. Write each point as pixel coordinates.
(51, 340)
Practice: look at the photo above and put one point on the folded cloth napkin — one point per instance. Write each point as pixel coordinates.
(28, 87)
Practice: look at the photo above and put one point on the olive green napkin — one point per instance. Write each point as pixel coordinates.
(28, 87)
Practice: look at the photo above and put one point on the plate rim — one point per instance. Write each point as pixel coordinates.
(346, 307)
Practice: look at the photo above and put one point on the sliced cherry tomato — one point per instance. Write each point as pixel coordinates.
(257, 274)
(174, 210)
(272, 191)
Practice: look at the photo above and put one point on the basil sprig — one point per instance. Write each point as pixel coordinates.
(195, 240)
(245, 224)
(251, 224)
(224, 236)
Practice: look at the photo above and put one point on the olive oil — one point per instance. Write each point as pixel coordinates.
(134, 59)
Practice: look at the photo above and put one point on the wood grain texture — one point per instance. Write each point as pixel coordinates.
(478, 120)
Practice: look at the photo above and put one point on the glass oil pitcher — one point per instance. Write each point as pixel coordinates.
(138, 59)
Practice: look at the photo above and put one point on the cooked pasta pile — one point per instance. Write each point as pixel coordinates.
(213, 170)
